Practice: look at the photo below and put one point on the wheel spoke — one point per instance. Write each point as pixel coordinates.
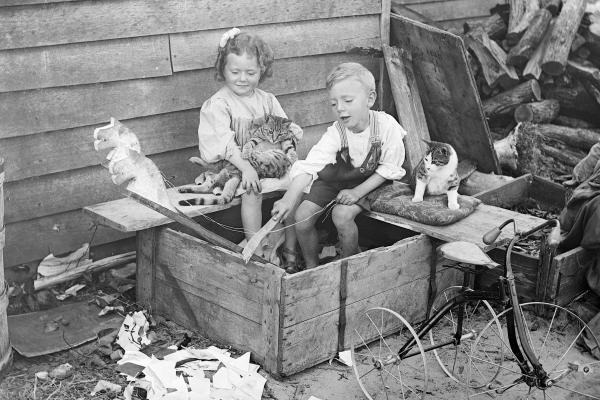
(549, 327)
(497, 365)
(577, 392)
(568, 349)
(380, 334)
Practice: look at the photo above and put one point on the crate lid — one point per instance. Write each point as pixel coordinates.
(436, 70)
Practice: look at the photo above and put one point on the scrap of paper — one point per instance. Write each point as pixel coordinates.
(133, 332)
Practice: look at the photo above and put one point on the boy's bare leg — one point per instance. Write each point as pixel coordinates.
(343, 218)
(306, 217)
(251, 213)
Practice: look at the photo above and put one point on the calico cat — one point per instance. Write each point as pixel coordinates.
(128, 164)
(437, 174)
(223, 178)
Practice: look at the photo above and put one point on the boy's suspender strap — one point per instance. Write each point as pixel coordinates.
(342, 131)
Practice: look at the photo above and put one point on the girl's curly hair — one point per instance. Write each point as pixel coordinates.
(246, 43)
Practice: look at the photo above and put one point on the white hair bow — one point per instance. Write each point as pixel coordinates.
(230, 34)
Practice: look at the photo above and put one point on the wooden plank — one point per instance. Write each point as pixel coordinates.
(76, 64)
(271, 316)
(4, 3)
(210, 319)
(146, 244)
(100, 20)
(453, 9)
(315, 292)
(571, 281)
(408, 108)
(447, 89)
(315, 340)
(71, 190)
(470, 229)
(196, 50)
(56, 151)
(35, 111)
(218, 276)
(34, 239)
(509, 194)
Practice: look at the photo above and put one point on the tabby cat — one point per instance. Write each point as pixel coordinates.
(437, 174)
(127, 164)
(271, 150)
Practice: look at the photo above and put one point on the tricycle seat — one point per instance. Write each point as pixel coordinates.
(465, 252)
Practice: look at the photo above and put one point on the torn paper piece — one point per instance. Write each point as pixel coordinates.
(180, 355)
(220, 379)
(199, 388)
(250, 387)
(133, 332)
(178, 390)
(313, 398)
(72, 291)
(346, 357)
(241, 364)
(106, 386)
(108, 309)
(199, 365)
(52, 265)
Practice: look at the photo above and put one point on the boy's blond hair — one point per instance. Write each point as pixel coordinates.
(351, 70)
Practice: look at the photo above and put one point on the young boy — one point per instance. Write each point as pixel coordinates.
(359, 152)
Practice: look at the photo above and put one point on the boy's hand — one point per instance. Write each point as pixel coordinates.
(250, 180)
(347, 197)
(281, 209)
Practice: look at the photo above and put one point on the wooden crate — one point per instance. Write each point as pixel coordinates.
(559, 280)
(288, 322)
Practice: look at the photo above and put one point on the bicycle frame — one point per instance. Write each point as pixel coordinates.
(515, 323)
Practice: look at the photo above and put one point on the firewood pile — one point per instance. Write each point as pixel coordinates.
(537, 69)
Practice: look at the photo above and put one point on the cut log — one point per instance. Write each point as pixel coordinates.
(533, 36)
(573, 122)
(494, 26)
(590, 74)
(544, 111)
(506, 150)
(506, 102)
(551, 5)
(563, 155)
(478, 182)
(516, 28)
(574, 102)
(96, 266)
(533, 69)
(492, 60)
(578, 138)
(563, 32)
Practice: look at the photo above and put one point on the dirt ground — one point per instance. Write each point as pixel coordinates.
(327, 381)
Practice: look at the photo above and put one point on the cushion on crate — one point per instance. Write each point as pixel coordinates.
(433, 210)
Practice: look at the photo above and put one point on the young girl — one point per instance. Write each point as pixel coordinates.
(243, 62)
(360, 151)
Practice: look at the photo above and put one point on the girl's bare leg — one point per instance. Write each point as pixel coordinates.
(251, 213)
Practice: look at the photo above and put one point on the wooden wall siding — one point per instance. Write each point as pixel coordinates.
(85, 21)
(34, 111)
(80, 63)
(67, 66)
(195, 50)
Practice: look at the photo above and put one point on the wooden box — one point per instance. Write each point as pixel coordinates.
(288, 322)
(559, 280)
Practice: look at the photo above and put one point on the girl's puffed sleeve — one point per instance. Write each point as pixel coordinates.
(216, 140)
(392, 149)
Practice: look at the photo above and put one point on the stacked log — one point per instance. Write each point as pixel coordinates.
(538, 76)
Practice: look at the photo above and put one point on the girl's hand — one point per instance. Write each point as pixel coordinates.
(347, 197)
(250, 180)
(281, 209)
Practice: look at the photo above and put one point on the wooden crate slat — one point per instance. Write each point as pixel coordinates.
(71, 190)
(34, 239)
(35, 111)
(453, 9)
(225, 279)
(320, 334)
(75, 64)
(447, 89)
(315, 292)
(209, 319)
(196, 50)
(5, 3)
(509, 194)
(57, 151)
(100, 20)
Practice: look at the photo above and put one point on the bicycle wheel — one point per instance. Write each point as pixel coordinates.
(454, 359)
(381, 374)
(555, 334)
